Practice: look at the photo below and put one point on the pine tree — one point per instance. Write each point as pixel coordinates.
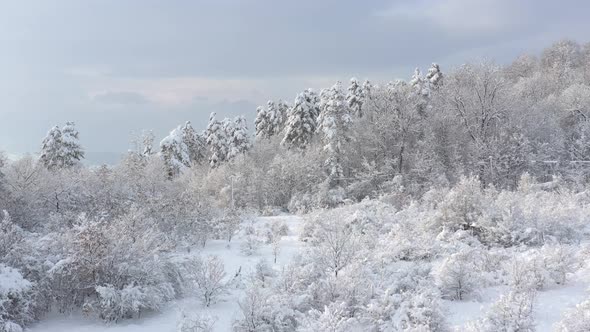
(217, 140)
(270, 121)
(174, 152)
(261, 123)
(419, 83)
(274, 118)
(434, 76)
(148, 143)
(182, 148)
(334, 124)
(301, 120)
(283, 110)
(73, 150)
(60, 148)
(355, 97)
(237, 132)
(195, 144)
(52, 149)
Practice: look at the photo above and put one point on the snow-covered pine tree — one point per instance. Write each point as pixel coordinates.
(237, 132)
(283, 110)
(274, 118)
(147, 141)
(434, 76)
(217, 140)
(261, 123)
(73, 152)
(355, 97)
(301, 120)
(52, 149)
(195, 144)
(60, 148)
(270, 121)
(175, 152)
(419, 83)
(334, 125)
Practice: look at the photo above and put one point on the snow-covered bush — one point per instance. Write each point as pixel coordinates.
(264, 309)
(462, 206)
(457, 277)
(408, 238)
(114, 304)
(300, 203)
(513, 312)
(256, 311)
(251, 241)
(113, 269)
(559, 261)
(263, 273)
(526, 273)
(228, 224)
(17, 302)
(537, 268)
(576, 319)
(335, 245)
(332, 319)
(409, 302)
(195, 322)
(534, 217)
(10, 234)
(209, 277)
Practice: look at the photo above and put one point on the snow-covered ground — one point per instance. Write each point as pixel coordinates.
(226, 310)
(550, 304)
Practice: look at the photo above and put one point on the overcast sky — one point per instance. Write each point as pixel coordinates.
(120, 66)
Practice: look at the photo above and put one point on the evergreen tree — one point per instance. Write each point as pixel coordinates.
(434, 76)
(217, 140)
(175, 152)
(237, 132)
(73, 150)
(195, 144)
(355, 97)
(148, 143)
(52, 149)
(261, 123)
(417, 79)
(283, 110)
(270, 121)
(275, 118)
(334, 124)
(301, 120)
(60, 148)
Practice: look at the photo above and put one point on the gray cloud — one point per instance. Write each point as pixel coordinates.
(120, 98)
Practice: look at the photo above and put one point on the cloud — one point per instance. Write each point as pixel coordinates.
(120, 98)
(463, 17)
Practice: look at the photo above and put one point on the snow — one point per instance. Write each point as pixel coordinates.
(549, 307)
(11, 280)
(226, 310)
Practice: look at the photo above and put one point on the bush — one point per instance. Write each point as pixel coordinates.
(195, 322)
(208, 275)
(576, 319)
(113, 269)
(513, 312)
(457, 277)
(17, 304)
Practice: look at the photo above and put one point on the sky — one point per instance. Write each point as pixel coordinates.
(117, 67)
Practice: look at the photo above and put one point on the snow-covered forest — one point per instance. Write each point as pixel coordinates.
(454, 200)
